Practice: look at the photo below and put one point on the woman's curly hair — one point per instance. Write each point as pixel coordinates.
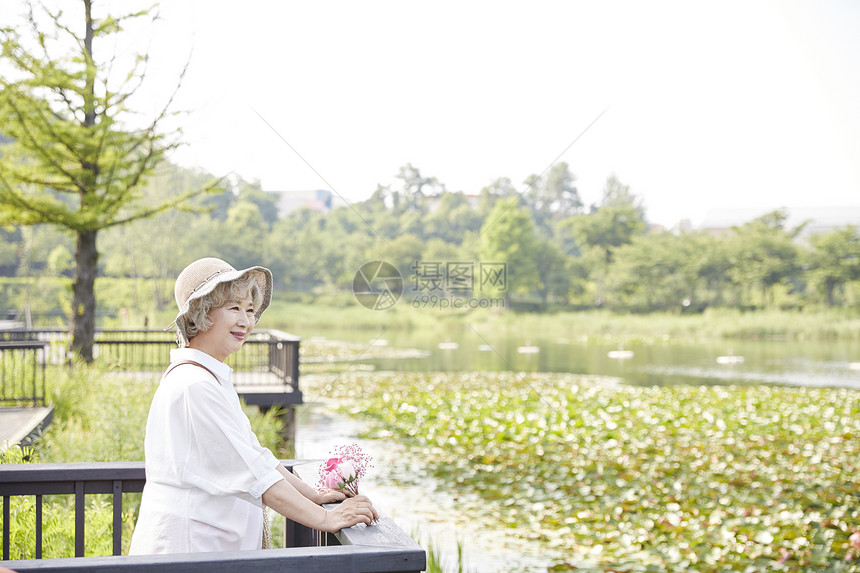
(197, 317)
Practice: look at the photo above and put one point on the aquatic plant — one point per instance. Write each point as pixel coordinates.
(636, 478)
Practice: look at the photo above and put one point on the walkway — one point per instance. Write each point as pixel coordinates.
(19, 424)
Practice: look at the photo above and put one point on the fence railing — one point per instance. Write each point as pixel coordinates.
(268, 362)
(383, 547)
(22, 372)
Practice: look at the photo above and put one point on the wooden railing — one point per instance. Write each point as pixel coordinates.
(381, 547)
(22, 372)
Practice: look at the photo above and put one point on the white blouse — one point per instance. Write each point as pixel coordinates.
(205, 469)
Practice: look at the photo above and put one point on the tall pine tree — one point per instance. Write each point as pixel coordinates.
(69, 157)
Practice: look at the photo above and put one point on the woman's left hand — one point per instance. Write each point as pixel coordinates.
(328, 496)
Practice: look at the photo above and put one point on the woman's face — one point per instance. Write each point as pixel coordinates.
(231, 325)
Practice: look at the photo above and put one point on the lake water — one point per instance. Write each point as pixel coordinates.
(416, 502)
(804, 363)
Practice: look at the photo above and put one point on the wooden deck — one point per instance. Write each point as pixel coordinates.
(19, 425)
(265, 390)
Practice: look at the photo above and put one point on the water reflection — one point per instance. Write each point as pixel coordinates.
(806, 363)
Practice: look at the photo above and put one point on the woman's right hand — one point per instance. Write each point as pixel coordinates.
(349, 512)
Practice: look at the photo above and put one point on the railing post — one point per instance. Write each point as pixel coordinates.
(294, 348)
(117, 517)
(6, 518)
(80, 505)
(35, 378)
(38, 527)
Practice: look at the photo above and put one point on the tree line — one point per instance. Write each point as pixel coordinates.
(557, 251)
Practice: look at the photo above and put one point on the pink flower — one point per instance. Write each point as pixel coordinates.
(331, 480)
(343, 470)
(331, 464)
(346, 471)
(854, 540)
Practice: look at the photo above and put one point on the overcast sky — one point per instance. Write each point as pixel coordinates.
(707, 104)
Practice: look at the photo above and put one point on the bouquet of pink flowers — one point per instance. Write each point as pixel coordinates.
(344, 468)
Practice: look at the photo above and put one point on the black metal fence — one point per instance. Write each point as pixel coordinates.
(22, 372)
(377, 548)
(269, 360)
(78, 479)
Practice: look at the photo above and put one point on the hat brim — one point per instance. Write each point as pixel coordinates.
(262, 276)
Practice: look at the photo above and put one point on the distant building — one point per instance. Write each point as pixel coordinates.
(319, 200)
(719, 222)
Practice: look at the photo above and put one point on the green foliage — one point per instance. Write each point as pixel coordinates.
(72, 156)
(552, 196)
(713, 324)
(436, 562)
(670, 478)
(451, 220)
(763, 255)
(834, 261)
(69, 161)
(99, 414)
(508, 237)
(601, 259)
(651, 273)
(18, 455)
(58, 519)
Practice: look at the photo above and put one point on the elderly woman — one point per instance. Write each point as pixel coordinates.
(207, 476)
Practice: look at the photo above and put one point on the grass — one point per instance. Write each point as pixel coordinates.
(716, 324)
(436, 559)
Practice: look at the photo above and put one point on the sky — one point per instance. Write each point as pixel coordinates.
(695, 105)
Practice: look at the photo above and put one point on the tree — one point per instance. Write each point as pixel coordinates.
(294, 249)
(414, 189)
(243, 220)
(834, 260)
(763, 254)
(9, 250)
(552, 196)
(617, 220)
(267, 203)
(646, 274)
(555, 277)
(606, 229)
(74, 158)
(508, 237)
(705, 258)
(500, 188)
(451, 218)
(616, 194)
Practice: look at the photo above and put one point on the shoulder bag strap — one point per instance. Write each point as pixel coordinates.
(172, 366)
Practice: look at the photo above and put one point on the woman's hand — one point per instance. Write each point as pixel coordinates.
(329, 496)
(354, 510)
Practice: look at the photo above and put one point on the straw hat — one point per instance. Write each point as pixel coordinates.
(202, 276)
